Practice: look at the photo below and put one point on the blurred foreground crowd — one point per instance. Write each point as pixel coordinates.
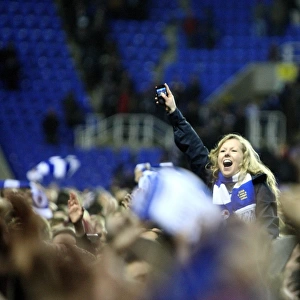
(162, 241)
(165, 240)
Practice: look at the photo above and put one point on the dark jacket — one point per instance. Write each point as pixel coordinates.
(188, 141)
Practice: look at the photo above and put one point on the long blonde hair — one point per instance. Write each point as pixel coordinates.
(251, 164)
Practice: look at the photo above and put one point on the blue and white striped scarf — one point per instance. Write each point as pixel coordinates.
(240, 201)
(14, 184)
(56, 166)
(40, 202)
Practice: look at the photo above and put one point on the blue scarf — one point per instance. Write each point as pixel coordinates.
(14, 184)
(240, 201)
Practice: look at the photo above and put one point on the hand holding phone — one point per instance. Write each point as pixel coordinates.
(167, 102)
(159, 90)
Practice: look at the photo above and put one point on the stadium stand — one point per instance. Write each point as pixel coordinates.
(48, 73)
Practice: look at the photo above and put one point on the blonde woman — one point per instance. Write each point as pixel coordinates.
(241, 184)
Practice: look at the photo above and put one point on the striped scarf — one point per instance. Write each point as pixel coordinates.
(240, 201)
(55, 166)
(40, 202)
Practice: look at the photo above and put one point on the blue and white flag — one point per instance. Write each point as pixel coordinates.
(40, 202)
(162, 165)
(178, 201)
(55, 166)
(147, 166)
(149, 171)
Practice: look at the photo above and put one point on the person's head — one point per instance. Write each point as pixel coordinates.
(63, 235)
(234, 154)
(32, 192)
(107, 202)
(24, 191)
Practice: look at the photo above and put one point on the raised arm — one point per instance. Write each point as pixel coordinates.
(186, 138)
(76, 214)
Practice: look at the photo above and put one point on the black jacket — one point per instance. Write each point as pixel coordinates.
(188, 141)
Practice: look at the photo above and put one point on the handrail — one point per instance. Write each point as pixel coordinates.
(290, 51)
(267, 129)
(133, 130)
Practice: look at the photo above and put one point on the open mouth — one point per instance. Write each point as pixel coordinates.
(227, 163)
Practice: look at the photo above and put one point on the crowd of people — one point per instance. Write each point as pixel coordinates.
(271, 18)
(225, 229)
(221, 228)
(201, 32)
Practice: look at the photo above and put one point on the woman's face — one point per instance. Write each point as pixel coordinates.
(230, 157)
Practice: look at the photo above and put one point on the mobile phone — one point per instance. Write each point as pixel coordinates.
(159, 90)
(93, 237)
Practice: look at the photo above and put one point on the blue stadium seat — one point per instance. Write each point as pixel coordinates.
(49, 73)
(37, 42)
(153, 156)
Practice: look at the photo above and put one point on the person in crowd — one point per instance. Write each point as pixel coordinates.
(200, 247)
(74, 114)
(278, 17)
(50, 126)
(190, 27)
(10, 66)
(86, 235)
(193, 90)
(274, 53)
(260, 18)
(28, 256)
(241, 184)
(285, 263)
(189, 255)
(33, 192)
